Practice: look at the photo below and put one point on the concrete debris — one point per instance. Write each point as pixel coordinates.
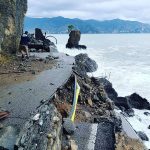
(36, 117)
(68, 126)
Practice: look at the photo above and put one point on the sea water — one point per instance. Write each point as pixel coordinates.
(125, 60)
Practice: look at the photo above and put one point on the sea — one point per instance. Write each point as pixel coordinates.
(124, 59)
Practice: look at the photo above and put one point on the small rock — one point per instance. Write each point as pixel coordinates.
(149, 127)
(73, 145)
(43, 101)
(90, 102)
(36, 117)
(51, 83)
(9, 93)
(1, 126)
(143, 136)
(41, 121)
(68, 137)
(95, 98)
(87, 114)
(23, 69)
(147, 113)
(68, 126)
(56, 57)
(56, 119)
(33, 72)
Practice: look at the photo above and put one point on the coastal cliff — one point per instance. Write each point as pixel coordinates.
(11, 24)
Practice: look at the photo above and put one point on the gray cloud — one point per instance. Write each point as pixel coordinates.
(91, 9)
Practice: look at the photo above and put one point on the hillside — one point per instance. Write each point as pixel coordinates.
(59, 25)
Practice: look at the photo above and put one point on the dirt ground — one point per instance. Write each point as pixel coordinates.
(14, 70)
(123, 142)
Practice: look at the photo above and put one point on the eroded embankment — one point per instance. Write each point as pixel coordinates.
(44, 129)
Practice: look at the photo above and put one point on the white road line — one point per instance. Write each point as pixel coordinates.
(92, 138)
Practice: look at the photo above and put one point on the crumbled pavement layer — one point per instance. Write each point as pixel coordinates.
(42, 131)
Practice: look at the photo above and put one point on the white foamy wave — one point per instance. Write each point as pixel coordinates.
(124, 59)
(140, 122)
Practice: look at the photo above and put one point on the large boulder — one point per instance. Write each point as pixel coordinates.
(39, 35)
(85, 64)
(136, 101)
(73, 41)
(11, 24)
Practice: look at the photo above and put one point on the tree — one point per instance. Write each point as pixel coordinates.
(70, 28)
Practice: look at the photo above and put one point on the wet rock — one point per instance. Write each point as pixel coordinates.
(112, 94)
(147, 113)
(68, 126)
(129, 112)
(143, 136)
(122, 103)
(85, 64)
(136, 101)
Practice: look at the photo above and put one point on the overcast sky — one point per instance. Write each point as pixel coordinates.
(91, 9)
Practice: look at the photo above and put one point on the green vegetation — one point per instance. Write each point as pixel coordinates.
(70, 28)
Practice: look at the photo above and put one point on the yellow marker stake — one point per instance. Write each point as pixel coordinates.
(75, 100)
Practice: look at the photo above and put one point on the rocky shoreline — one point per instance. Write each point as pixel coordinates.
(97, 103)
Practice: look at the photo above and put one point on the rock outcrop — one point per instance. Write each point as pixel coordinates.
(11, 24)
(40, 42)
(138, 102)
(85, 64)
(73, 41)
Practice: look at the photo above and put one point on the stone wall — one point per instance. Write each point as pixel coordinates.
(11, 24)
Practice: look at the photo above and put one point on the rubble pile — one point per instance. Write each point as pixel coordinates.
(40, 42)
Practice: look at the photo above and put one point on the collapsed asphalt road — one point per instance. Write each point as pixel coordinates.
(22, 99)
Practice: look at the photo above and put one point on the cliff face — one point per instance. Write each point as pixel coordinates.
(11, 24)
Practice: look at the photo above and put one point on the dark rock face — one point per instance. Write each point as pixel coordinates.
(147, 113)
(143, 136)
(40, 41)
(122, 103)
(73, 41)
(74, 38)
(136, 101)
(112, 94)
(39, 35)
(85, 64)
(11, 24)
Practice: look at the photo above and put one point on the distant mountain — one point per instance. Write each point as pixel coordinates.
(59, 25)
